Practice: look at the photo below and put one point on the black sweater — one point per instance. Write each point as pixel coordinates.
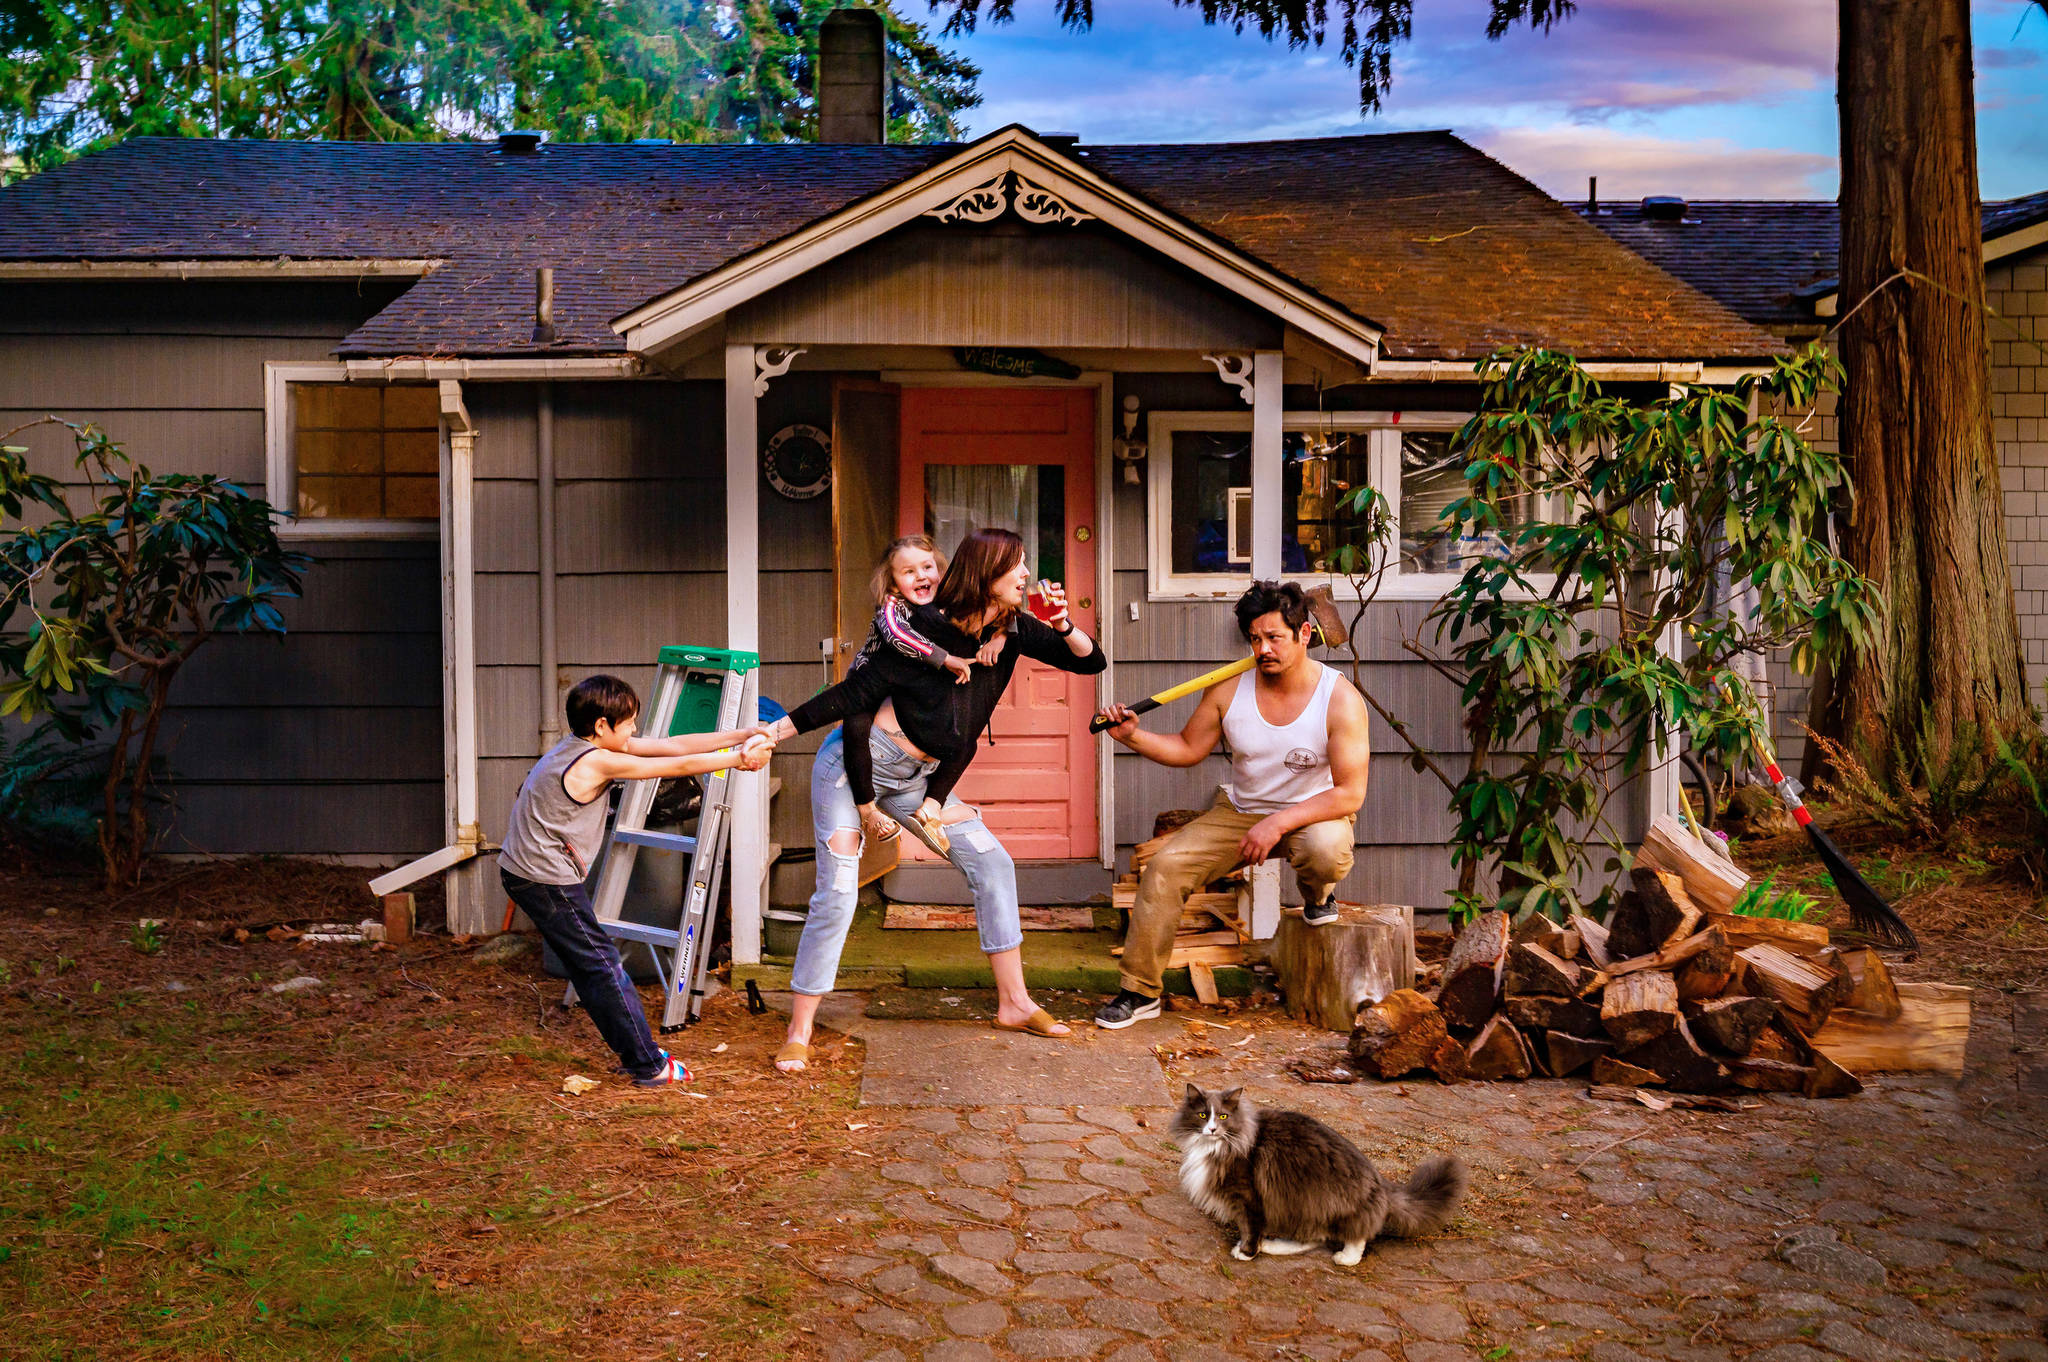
(942, 717)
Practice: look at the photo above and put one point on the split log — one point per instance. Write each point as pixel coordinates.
(1708, 972)
(1397, 1034)
(1800, 938)
(1194, 940)
(1566, 1054)
(1202, 978)
(1172, 821)
(1929, 1035)
(1774, 1043)
(1326, 973)
(1611, 1072)
(1538, 930)
(1711, 882)
(1678, 1059)
(1870, 985)
(1654, 912)
(1592, 940)
(1472, 976)
(1730, 1025)
(1447, 1061)
(1804, 991)
(1830, 1079)
(1770, 1075)
(1638, 1008)
(1535, 1013)
(1497, 1052)
(1533, 969)
(1677, 953)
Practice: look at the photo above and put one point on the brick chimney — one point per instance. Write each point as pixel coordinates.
(853, 75)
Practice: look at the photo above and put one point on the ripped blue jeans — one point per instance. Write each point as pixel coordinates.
(899, 789)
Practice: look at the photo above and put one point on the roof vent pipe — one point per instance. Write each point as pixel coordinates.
(544, 304)
(1064, 141)
(1664, 207)
(853, 77)
(520, 142)
(1592, 194)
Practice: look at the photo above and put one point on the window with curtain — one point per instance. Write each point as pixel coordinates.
(1026, 499)
(366, 452)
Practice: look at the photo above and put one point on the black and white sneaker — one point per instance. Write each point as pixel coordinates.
(1320, 914)
(1125, 1008)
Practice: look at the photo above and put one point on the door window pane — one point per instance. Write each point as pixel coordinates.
(1212, 486)
(1027, 499)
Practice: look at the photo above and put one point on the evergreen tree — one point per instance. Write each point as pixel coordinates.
(80, 74)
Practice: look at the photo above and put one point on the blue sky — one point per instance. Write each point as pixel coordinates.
(1728, 99)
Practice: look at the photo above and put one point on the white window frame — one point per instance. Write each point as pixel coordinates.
(281, 470)
(1384, 427)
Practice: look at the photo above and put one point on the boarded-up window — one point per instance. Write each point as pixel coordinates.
(363, 452)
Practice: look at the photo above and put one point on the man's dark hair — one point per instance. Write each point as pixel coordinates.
(600, 697)
(1267, 598)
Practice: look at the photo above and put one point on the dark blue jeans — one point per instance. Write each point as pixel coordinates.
(567, 920)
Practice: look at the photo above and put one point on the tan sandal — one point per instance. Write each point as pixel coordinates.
(1039, 1023)
(794, 1050)
(928, 831)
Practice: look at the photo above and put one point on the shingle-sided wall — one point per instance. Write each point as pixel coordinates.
(2016, 289)
(328, 742)
(1406, 824)
(640, 553)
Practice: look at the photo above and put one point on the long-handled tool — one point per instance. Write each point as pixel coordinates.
(1867, 908)
(1326, 630)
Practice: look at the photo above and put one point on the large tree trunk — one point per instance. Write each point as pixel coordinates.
(1928, 525)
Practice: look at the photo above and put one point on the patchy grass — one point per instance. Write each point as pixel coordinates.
(383, 1167)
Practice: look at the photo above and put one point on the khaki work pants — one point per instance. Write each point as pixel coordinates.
(1320, 854)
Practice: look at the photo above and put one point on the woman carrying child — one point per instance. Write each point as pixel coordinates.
(926, 719)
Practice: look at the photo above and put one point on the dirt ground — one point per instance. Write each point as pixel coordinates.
(383, 1164)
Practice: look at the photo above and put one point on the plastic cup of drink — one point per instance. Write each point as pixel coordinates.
(1041, 603)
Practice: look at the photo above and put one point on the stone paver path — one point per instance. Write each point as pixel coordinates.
(1905, 1224)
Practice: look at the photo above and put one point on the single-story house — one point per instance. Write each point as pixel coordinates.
(753, 366)
(1775, 263)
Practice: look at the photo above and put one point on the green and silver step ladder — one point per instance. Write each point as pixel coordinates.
(696, 690)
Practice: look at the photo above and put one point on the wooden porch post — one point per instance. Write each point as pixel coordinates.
(468, 886)
(749, 870)
(1267, 404)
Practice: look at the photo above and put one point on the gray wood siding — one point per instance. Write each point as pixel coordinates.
(329, 741)
(969, 286)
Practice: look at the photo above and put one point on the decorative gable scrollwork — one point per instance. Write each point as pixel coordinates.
(983, 203)
(991, 199)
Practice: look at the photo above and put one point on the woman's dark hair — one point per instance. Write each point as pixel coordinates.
(600, 697)
(983, 559)
(1267, 598)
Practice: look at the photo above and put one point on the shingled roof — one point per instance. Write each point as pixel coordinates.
(1449, 251)
(1768, 259)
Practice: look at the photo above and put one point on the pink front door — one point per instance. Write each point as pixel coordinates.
(1021, 459)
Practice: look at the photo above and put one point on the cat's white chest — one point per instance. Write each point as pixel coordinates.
(1201, 1169)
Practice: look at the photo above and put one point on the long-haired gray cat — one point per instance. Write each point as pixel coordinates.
(1288, 1183)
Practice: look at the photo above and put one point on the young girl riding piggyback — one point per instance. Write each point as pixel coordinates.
(908, 574)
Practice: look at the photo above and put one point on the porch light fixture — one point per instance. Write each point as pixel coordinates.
(1129, 450)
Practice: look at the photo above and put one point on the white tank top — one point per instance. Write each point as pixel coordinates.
(1273, 767)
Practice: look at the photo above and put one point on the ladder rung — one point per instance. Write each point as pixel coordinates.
(641, 932)
(660, 841)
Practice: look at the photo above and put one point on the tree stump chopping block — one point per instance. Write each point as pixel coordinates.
(1327, 973)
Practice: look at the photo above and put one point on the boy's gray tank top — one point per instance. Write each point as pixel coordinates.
(553, 839)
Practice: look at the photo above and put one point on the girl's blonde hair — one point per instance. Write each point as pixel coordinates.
(884, 580)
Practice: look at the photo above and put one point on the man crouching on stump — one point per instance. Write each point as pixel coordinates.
(1298, 754)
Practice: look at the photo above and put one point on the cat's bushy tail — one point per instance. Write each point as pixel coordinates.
(1429, 1200)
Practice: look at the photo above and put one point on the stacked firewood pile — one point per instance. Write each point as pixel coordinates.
(1671, 991)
